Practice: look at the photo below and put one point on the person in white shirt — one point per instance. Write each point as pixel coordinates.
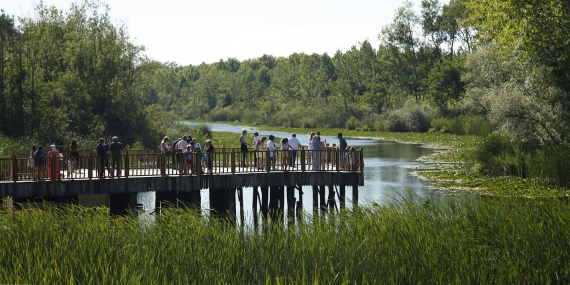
(180, 148)
(295, 145)
(182, 144)
(255, 140)
(272, 151)
(196, 144)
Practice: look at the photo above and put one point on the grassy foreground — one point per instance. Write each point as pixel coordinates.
(475, 241)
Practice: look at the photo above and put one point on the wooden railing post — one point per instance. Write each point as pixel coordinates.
(337, 159)
(233, 161)
(268, 161)
(361, 160)
(14, 167)
(162, 164)
(224, 157)
(126, 163)
(52, 163)
(303, 158)
(233, 169)
(199, 168)
(90, 164)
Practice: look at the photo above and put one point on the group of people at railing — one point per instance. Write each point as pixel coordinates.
(261, 154)
(182, 153)
(37, 160)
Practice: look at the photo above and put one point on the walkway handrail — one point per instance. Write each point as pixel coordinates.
(136, 163)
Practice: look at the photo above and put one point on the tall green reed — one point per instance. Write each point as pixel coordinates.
(452, 240)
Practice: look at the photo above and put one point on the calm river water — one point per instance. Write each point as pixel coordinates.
(386, 173)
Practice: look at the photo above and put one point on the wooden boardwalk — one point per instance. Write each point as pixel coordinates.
(146, 170)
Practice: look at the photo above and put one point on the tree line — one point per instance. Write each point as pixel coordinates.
(69, 73)
(501, 63)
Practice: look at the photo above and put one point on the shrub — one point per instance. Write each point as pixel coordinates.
(491, 153)
(352, 123)
(411, 117)
(463, 125)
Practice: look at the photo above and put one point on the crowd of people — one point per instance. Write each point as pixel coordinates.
(317, 157)
(38, 160)
(109, 158)
(181, 152)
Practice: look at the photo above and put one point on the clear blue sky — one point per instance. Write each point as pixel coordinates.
(192, 32)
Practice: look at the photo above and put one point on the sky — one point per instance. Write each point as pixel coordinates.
(193, 32)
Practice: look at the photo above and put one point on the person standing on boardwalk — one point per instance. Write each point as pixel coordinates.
(39, 163)
(116, 147)
(243, 146)
(316, 150)
(189, 159)
(181, 147)
(259, 150)
(310, 148)
(165, 149)
(102, 154)
(285, 149)
(53, 160)
(294, 144)
(272, 152)
(175, 153)
(31, 163)
(196, 144)
(342, 149)
(209, 155)
(74, 152)
(58, 145)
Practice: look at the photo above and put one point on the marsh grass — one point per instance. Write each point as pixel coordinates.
(449, 241)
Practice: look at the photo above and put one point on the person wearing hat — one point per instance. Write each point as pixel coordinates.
(115, 148)
(295, 145)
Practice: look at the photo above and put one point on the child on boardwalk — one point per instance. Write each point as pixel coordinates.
(188, 158)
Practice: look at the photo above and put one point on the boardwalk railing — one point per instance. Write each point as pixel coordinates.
(136, 163)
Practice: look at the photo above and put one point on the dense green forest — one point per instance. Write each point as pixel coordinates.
(468, 66)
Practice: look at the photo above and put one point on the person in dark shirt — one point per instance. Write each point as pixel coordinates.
(342, 149)
(59, 145)
(39, 163)
(115, 148)
(102, 154)
(174, 156)
(210, 155)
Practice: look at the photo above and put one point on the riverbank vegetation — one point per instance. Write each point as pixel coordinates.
(453, 240)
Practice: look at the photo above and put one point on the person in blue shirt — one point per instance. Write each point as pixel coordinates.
(39, 163)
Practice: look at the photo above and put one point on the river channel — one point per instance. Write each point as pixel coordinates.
(387, 172)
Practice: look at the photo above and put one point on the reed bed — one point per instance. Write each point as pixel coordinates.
(409, 241)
